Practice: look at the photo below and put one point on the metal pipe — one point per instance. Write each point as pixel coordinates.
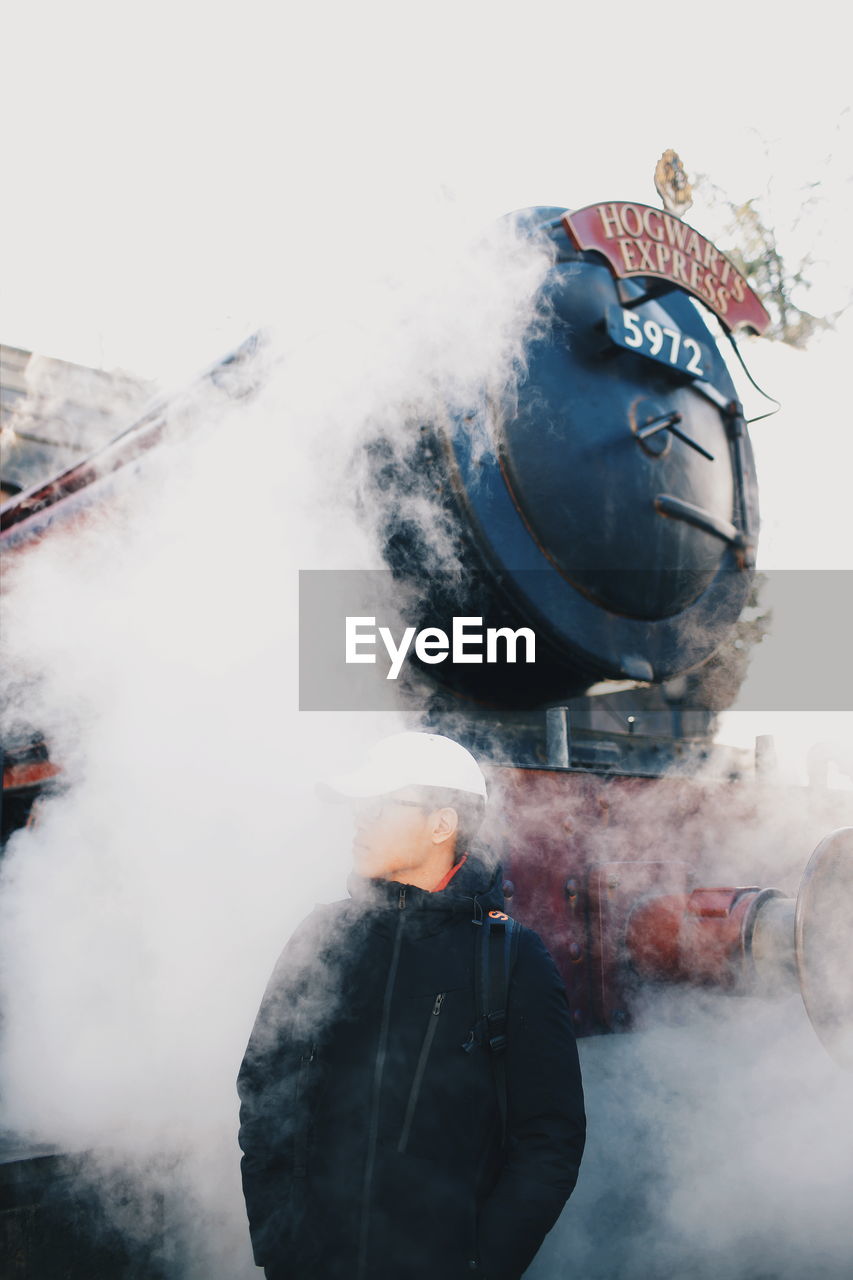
(557, 737)
(772, 942)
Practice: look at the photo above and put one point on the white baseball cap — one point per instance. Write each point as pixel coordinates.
(412, 760)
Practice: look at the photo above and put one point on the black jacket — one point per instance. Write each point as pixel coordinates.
(371, 1138)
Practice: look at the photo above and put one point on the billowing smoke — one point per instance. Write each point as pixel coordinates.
(157, 651)
(716, 1142)
(716, 1149)
(156, 648)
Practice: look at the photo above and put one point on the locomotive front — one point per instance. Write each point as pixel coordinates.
(608, 505)
(609, 500)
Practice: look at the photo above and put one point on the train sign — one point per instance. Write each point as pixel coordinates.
(664, 343)
(637, 240)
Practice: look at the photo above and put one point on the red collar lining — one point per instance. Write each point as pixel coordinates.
(445, 880)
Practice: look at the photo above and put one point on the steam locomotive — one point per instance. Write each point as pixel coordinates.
(616, 513)
(609, 503)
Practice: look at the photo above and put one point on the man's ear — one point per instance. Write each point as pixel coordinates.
(445, 825)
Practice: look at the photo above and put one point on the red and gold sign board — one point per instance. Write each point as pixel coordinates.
(637, 240)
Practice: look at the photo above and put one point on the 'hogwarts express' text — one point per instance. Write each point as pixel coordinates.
(638, 240)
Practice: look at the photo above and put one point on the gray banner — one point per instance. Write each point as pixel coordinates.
(369, 643)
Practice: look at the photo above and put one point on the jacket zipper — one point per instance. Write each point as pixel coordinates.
(429, 1036)
(304, 1071)
(373, 1128)
(300, 1140)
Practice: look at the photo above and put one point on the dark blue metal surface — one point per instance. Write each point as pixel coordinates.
(624, 551)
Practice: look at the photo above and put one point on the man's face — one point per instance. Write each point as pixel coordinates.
(395, 833)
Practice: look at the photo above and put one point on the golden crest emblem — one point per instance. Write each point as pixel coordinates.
(672, 184)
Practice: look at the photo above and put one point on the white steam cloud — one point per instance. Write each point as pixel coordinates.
(718, 1126)
(156, 649)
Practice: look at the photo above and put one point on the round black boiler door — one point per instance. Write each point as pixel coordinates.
(613, 506)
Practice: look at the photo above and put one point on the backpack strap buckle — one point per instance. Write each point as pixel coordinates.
(496, 1030)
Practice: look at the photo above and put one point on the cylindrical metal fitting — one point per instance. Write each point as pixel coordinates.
(772, 940)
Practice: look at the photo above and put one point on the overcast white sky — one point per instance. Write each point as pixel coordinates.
(178, 174)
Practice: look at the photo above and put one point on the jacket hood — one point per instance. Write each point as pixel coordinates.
(475, 888)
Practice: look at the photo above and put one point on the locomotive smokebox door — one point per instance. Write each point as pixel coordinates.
(586, 469)
(613, 506)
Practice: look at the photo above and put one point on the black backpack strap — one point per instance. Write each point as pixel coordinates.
(496, 953)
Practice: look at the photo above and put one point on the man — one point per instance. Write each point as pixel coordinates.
(386, 1134)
